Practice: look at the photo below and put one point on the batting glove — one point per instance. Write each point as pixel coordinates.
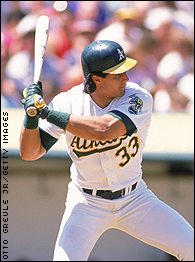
(33, 98)
(44, 112)
(33, 89)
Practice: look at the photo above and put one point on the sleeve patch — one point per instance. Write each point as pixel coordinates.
(136, 104)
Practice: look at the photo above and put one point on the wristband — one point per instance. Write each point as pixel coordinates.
(59, 119)
(31, 122)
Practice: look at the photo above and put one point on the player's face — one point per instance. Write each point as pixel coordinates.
(108, 88)
(114, 85)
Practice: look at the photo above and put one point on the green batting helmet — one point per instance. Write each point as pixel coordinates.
(105, 56)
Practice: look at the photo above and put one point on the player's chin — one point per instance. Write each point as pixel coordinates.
(121, 91)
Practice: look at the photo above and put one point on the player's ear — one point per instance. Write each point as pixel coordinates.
(89, 85)
(95, 78)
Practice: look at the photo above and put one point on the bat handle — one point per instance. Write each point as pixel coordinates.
(31, 111)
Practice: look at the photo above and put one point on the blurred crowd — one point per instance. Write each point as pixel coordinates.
(159, 34)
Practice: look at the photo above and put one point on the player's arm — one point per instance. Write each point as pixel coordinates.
(96, 127)
(33, 142)
(30, 144)
(101, 128)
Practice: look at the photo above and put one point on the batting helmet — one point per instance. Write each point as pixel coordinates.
(105, 56)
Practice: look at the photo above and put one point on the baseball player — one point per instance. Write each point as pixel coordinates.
(106, 120)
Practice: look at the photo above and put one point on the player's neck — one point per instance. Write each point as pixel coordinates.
(101, 101)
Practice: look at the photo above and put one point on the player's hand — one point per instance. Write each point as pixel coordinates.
(33, 89)
(33, 96)
(44, 112)
(34, 101)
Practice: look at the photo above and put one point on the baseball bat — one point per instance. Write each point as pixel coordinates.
(41, 36)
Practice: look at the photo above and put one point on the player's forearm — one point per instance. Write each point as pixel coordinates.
(99, 128)
(95, 128)
(30, 144)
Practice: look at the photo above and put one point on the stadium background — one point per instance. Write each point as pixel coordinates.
(160, 35)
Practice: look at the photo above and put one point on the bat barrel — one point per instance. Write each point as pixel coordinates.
(41, 36)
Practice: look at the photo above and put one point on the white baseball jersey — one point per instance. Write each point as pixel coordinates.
(112, 164)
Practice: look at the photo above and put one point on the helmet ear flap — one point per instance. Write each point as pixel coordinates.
(89, 85)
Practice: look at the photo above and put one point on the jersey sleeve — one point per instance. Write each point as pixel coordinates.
(130, 126)
(134, 109)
